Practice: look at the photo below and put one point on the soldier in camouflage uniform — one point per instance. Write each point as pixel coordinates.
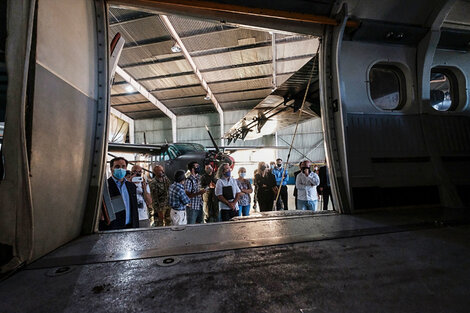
(159, 189)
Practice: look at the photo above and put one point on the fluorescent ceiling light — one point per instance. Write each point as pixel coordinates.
(176, 48)
(129, 89)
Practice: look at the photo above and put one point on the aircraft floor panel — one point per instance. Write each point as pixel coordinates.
(274, 230)
(406, 271)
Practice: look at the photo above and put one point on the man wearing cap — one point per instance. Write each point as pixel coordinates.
(178, 199)
(159, 187)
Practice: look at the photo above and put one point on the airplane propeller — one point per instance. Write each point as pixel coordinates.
(213, 140)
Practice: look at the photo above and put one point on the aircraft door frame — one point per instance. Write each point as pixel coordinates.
(332, 112)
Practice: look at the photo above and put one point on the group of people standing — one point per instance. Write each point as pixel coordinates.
(193, 197)
(271, 186)
(209, 197)
(203, 196)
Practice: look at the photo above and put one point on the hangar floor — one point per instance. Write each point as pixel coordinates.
(383, 261)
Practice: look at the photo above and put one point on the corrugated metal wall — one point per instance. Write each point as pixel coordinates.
(190, 128)
(308, 142)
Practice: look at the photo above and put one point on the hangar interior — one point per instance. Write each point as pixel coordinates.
(401, 259)
(161, 94)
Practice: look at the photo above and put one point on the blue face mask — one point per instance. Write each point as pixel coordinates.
(119, 173)
(227, 174)
(242, 175)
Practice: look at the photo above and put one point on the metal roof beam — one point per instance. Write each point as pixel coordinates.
(144, 92)
(274, 55)
(198, 73)
(227, 67)
(215, 93)
(148, 41)
(210, 83)
(304, 56)
(210, 51)
(249, 46)
(129, 18)
(130, 103)
(200, 32)
(156, 61)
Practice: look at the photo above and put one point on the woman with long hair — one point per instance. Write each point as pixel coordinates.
(265, 184)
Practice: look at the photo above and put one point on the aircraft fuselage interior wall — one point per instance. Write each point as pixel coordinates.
(65, 110)
(408, 155)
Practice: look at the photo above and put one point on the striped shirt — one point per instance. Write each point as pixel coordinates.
(177, 197)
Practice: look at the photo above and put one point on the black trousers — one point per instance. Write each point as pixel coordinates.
(283, 198)
(226, 215)
(265, 199)
(326, 194)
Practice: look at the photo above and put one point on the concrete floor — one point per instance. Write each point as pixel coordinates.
(388, 261)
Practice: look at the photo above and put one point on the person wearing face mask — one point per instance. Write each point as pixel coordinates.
(210, 201)
(246, 189)
(306, 183)
(159, 187)
(278, 173)
(265, 183)
(123, 196)
(144, 200)
(272, 166)
(227, 192)
(193, 189)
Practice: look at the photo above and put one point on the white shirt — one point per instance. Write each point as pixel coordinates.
(307, 186)
(143, 212)
(223, 182)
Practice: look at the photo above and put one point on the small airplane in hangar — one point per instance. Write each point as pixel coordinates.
(176, 156)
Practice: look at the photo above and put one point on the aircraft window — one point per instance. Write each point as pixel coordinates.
(172, 153)
(188, 147)
(442, 93)
(386, 83)
(165, 156)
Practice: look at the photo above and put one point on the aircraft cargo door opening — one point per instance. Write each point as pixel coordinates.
(211, 121)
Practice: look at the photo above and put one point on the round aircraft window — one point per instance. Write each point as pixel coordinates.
(442, 97)
(386, 84)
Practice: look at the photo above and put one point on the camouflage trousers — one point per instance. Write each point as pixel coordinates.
(160, 217)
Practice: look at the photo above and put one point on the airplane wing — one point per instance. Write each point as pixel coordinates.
(230, 149)
(280, 108)
(134, 148)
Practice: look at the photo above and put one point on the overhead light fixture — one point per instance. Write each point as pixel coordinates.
(176, 48)
(207, 97)
(129, 89)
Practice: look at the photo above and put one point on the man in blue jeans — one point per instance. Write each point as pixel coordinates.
(306, 184)
(193, 189)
